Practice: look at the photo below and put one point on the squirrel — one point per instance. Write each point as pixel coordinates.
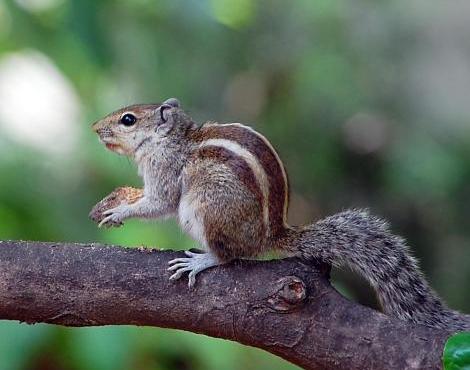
(229, 190)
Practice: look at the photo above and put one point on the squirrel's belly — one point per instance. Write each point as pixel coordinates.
(189, 219)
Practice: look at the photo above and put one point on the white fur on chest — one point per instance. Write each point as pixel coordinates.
(191, 220)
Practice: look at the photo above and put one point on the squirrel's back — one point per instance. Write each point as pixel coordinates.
(252, 157)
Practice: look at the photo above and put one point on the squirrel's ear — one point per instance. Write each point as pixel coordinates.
(166, 108)
(173, 102)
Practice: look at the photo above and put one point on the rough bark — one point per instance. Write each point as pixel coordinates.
(286, 307)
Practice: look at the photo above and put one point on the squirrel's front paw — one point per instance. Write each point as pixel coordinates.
(115, 216)
(123, 195)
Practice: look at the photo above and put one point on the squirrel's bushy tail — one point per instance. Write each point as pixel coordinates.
(363, 242)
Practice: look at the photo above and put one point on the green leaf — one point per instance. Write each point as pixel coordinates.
(457, 352)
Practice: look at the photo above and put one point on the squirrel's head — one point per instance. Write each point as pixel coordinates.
(127, 130)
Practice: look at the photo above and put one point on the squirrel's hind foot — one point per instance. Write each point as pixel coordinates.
(195, 263)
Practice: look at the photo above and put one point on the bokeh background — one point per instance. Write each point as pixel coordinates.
(367, 102)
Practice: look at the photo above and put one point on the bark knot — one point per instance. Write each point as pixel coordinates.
(288, 294)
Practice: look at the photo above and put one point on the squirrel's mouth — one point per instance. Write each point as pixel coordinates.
(116, 148)
(109, 145)
(112, 147)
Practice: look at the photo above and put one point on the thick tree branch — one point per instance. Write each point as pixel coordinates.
(285, 307)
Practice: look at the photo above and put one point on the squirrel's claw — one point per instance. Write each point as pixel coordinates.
(107, 221)
(195, 263)
(114, 216)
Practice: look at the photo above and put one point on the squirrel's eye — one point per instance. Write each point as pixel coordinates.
(128, 119)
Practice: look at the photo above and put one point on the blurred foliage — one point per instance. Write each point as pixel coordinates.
(367, 103)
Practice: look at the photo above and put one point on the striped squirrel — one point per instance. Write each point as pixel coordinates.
(228, 187)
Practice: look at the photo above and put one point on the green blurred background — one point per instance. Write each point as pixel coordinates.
(367, 102)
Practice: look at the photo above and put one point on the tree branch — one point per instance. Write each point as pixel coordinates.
(285, 307)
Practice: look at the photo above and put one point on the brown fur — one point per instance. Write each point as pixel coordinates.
(219, 191)
(237, 165)
(267, 159)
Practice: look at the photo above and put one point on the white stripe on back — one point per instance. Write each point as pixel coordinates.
(281, 165)
(254, 165)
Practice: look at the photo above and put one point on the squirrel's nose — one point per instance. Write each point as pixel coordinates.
(103, 131)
